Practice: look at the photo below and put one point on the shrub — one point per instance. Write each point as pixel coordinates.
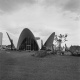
(41, 53)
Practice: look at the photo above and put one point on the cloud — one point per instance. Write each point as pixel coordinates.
(73, 5)
(10, 5)
(65, 5)
(41, 20)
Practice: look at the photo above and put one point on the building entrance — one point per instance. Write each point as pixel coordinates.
(28, 44)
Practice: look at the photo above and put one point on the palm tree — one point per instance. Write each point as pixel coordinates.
(60, 39)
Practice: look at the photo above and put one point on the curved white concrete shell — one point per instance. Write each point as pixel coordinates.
(49, 42)
(27, 41)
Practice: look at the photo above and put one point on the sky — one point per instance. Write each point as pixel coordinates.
(42, 17)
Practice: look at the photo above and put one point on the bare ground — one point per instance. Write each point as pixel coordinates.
(22, 66)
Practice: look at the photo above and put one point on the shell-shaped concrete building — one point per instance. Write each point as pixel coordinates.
(49, 42)
(27, 41)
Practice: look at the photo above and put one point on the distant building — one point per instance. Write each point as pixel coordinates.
(1, 36)
(3, 46)
(27, 41)
(75, 50)
(41, 43)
